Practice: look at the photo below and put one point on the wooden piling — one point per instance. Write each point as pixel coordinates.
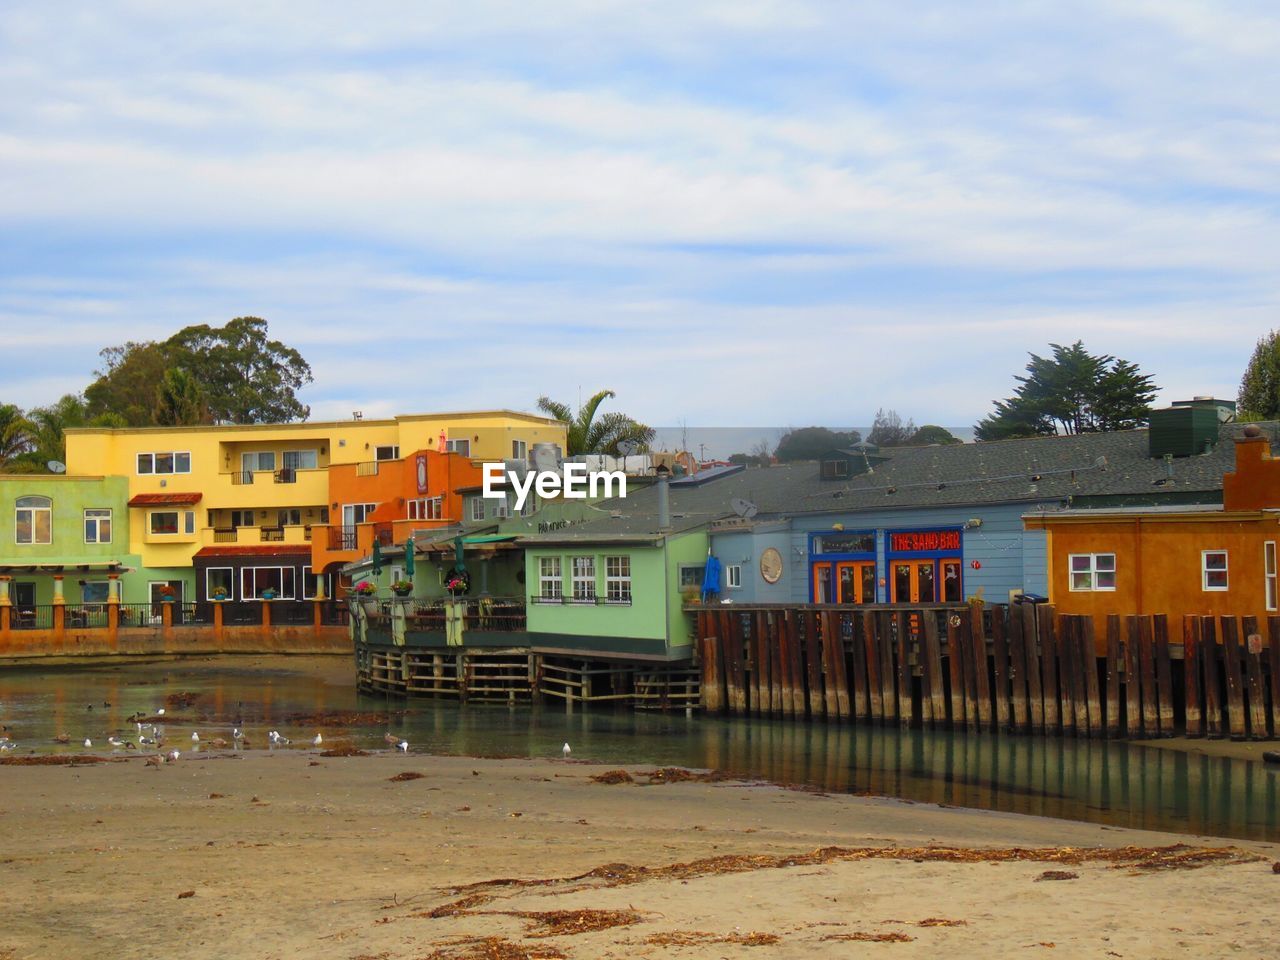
(777, 662)
(796, 665)
(1235, 682)
(1253, 680)
(1164, 675)
(861, 701)
(754, 667)
(888, 686)
(1000, 669)
(933, 688)
(1210, 652)
(813, 666)
(831, 682)
(955, 665)
(1114, 666)
(964, 636)
(842, 675)
(712, 678)
(1089, 664)
(1147, 667)
(1065, 642)
(1273, 661)
(1031, 666)
(1079, 692)
(1194, 717)
(1017, 671)
(982, 683)
(902, 673)
(1049, 668)
(731, 625)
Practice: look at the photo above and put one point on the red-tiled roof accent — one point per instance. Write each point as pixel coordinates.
(258, 550)
(164, 499)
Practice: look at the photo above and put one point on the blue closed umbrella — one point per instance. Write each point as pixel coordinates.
(711, 577)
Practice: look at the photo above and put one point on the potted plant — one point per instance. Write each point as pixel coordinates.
(167, 593)
(269, 593)
(402, 588)
(219, 593)
(366, 591)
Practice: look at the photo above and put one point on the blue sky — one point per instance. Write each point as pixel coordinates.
(731, 213)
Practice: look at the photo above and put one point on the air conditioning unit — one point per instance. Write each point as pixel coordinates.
(547, 456)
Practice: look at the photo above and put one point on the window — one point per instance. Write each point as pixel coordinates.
(34, 520)
(550, 586)
(584, 579)
(845, 543)
(617, 579)
(733, 576)
(501, 509)
(168, 462)
(219, 578)
(1269, 572)
(254, 580)
(835, 469)
(353, 513)
(1213, 570)
(530, 505)
(428, 508)
(301, 459)
(1092, 571)
(460, 447)
(310, 581)
(690, 575)
(519, 450)
(189, 521)
(477, 508)
(94, 591)
(241, 518)
(164, 521)
(391, 452)
(289, 518)
(97, 526)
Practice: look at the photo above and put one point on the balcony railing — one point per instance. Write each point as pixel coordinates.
(367, 468)
(271, 534)
(287, 475)
(32, 618)
(85, 615)
(342, 538)
(225, 535)
(242, 477)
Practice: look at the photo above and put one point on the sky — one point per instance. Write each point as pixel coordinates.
(731, 212)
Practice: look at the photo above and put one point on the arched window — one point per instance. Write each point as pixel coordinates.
(34, 520)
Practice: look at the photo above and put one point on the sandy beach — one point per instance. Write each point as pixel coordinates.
(296, 855)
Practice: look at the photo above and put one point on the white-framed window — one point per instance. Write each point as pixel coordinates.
(189, 521)
(171, 461)
(1092, 572)
(254, 580)
(425, 508)
(33, 520)
(550, 582)
(388, 452)
(219, 577)
(95, 591)
(460, 447)
(584, 579)
(1269, 572)
(530, 505)
(163, 521)
(312, 580)
(97, 526)
(477, 508)
(733, 576)
(301, 459)
(501, 509)
(519, 450)
(1213, 570)
(617, 579)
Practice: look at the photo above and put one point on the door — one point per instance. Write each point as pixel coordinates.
(857, 581)
(250, 463)
(822, 573)
(24, 596)
(952, 585)
(915, 581)
(353, 513)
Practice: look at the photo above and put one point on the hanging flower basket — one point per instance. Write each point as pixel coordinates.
(365, 588)
(402, 588)
(457, 582)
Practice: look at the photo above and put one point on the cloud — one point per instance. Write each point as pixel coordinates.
(772, 211)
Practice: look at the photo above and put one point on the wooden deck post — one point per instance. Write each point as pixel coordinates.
(1191, 655)
(1210, 652)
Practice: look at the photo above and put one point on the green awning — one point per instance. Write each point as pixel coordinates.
(490, 538)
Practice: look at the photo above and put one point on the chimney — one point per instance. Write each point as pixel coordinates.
(664, 497)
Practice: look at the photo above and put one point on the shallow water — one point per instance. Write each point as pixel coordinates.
(1113, 783)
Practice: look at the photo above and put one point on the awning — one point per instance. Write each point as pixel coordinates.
(489, 538)
(67, 566)
(164, 499)
(258, 550)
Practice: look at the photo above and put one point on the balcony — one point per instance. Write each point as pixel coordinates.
(289, 533)
(288, 487)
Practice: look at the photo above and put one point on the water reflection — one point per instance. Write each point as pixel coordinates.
(1114, 783)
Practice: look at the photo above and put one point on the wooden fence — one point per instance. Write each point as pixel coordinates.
(1019, 669)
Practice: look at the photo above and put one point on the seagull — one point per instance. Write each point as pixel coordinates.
(236, 734)
(565, 751)
(195, 737)
(403, 746)
(114, 742)
(160, 712)
(147, 741)
(88, 742)
(173, 755)
(6, 745)
(317, 741)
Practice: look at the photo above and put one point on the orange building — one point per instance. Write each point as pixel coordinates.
(1207, 560)
(387, 500)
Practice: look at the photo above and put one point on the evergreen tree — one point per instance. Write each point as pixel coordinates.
(1259, 397)
(888, 430)
(809, 443)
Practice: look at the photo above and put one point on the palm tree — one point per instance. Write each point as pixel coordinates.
(15, 435)
(589, 434)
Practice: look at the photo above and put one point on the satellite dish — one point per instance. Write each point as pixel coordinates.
(56, 466)
(628, 447)
(744, 508)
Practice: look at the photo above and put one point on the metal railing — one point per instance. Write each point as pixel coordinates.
(384, 533)
(141, 614)
(85, 616)
(241, 477)
(367, 468)
(287, 475)
(35, 617)
(342, 538)
(500, 614)
(224, 535)
(271, 534)
(191, 613)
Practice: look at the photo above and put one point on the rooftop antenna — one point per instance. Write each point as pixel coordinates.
(744, 508)
(56, 466)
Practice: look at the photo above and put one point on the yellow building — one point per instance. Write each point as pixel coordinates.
(259, 489)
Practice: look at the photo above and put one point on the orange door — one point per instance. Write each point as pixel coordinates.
(822, 583)
(915, 581)
(857, 581)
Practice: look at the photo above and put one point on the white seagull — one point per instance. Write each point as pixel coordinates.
(237, 733)
(317, 741)
(160, 712)
(88, 742)
(403, 746)
(195, 737)
(173, 755)
(565, 751)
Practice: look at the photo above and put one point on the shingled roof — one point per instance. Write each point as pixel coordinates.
(1057, 471)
